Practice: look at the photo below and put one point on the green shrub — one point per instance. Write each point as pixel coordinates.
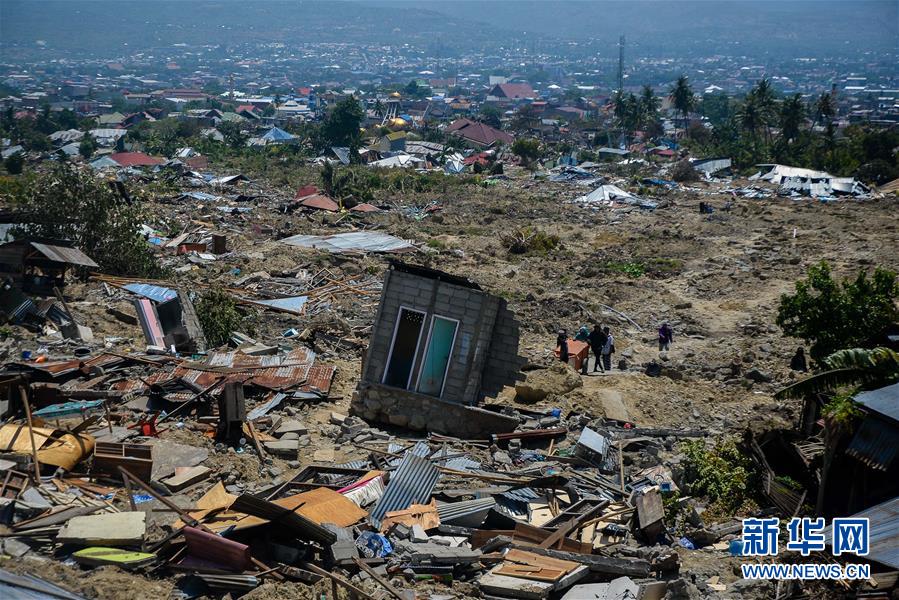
(722, 473)
(219, 317)
(842, 409)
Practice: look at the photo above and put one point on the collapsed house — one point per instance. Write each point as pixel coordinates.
(439, 346)
(37, 265)
(710, 167)
(818, 184)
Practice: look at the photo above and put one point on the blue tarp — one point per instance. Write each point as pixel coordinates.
(68, 408)
(157, 293)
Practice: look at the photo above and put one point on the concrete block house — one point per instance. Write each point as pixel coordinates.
(440, 345)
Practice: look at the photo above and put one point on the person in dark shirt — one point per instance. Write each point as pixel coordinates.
(597, 340)
(666, 336)
(562, 343)
(798, 362)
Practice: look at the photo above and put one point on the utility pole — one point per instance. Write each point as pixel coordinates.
(621, 65)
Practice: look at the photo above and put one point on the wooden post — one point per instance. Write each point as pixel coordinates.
(37, 464)
(621, 465)
(108, 416)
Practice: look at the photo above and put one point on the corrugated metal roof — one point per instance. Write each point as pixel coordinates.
(413, 482)
(72, 256)
(520, 495)
(884, 401)
(876, 443)
(354, 241)
(884, 530)
(468, 513)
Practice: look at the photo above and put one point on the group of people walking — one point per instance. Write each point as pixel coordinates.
(602, 344)
(600, 340)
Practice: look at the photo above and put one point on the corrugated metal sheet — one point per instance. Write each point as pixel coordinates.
(468, 513)
(319, 378)
(462, 463)
(884, 401)
(265, 407)
(884, 532)
(294, 304)
(354, 241)
(72, 256)
(64, 367)
(521, 495)
(355, 464)
(157, 293)
(413, 482)
(876, 443)
(29, 587)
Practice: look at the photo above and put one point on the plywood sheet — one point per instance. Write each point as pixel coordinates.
(323, 505)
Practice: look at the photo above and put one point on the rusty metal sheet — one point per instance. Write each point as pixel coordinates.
(319, 379)
(72, 256)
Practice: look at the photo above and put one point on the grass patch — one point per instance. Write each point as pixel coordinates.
(530, 240)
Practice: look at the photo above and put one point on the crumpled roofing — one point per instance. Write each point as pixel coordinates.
(355, 241)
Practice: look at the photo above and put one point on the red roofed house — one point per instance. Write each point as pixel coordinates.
(248, 111)
(135, 159)
(479, 134)
(511, 92)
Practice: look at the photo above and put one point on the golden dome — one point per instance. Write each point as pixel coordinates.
(397, 122)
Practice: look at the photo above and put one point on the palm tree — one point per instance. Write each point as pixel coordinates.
(792, 115)
(682, 96)
(750, 117)
(649, 106)
(766, 101)
(854, 367)
(825, 108)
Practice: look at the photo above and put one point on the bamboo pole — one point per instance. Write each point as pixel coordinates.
(37, 464)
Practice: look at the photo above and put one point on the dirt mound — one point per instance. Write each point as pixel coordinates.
(557, 379)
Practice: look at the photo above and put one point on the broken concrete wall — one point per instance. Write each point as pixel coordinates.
(503, 362)
(476, 312)
(375, 402)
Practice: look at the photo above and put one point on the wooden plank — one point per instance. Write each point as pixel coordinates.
(649, 508)
(516, 587)
(186, 477)
(557, 535)
(632, 567)
(381, 581)
(534, 572)
(535, 535)
(529, 558)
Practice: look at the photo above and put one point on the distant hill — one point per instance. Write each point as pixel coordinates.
(111, 27)
(671, 28)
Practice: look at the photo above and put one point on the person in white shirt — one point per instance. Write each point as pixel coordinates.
(608, 349)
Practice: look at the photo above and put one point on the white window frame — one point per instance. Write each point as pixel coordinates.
(428, 342)
(396, 328)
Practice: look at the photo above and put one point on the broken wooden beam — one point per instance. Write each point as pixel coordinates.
(632, 567)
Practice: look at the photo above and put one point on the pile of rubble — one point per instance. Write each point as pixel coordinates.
(92, 473)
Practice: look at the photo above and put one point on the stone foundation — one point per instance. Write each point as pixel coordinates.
(403, 408)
